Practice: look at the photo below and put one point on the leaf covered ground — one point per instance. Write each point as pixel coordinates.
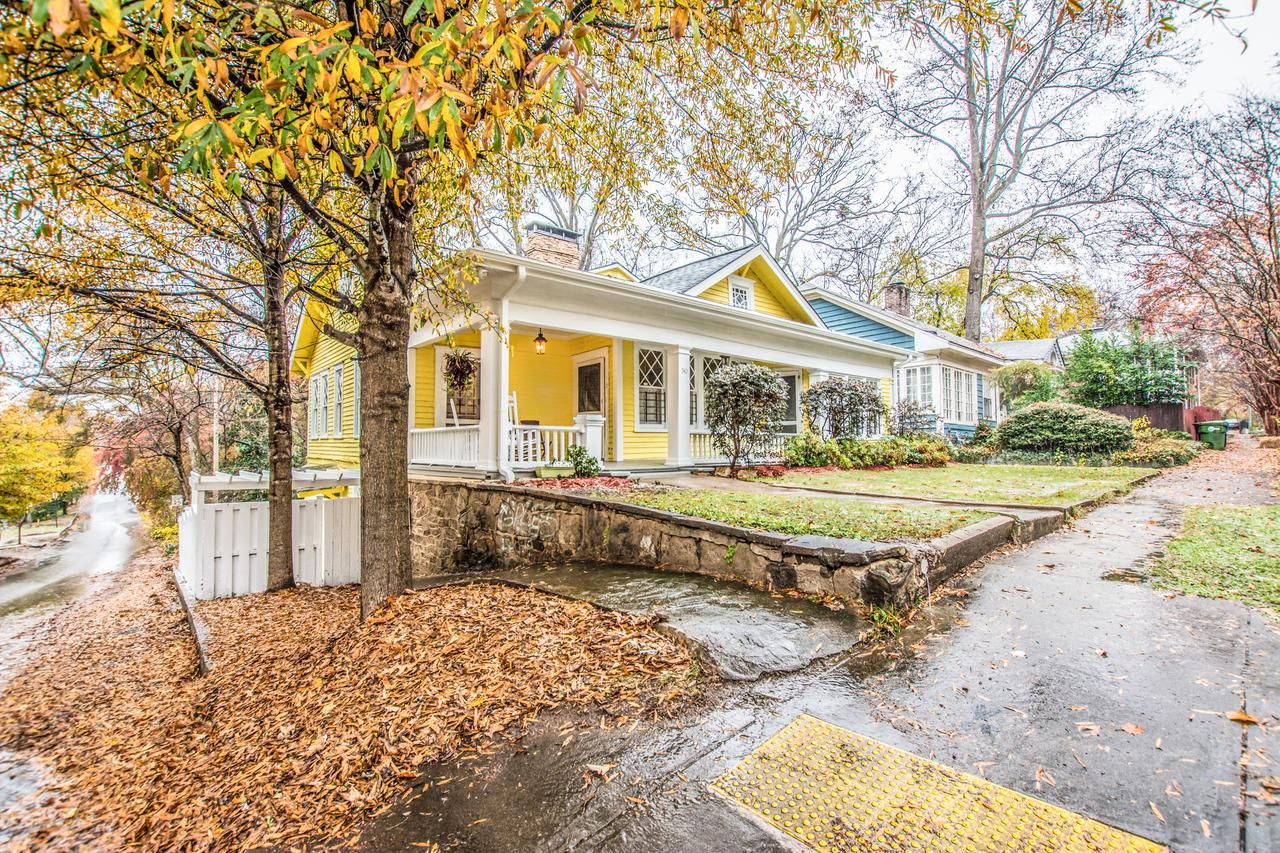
(780, 513)
(310, 723)
(1030, 484)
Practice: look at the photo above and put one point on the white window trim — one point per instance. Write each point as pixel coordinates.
(324, 405)
(355, 399)
(737, 281)
(339, 410)
(793, 371)
(964, 386)
(441, 397)
(599, 356)
(635, 390)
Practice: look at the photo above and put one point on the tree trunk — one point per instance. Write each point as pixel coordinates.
(278, 403)
(383, 344)
(977, 267)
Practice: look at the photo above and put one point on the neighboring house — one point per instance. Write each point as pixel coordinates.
(947, 374)
(1045, 350)
(594, 358)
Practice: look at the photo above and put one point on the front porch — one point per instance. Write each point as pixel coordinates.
(537, 392)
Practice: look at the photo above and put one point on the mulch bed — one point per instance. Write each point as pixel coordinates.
(581, 484)
(310, 722)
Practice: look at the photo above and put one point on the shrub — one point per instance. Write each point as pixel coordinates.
(972, 454)
(875, 453)
(910, 418)
(983, 436)
(1156, 448)
(584, 464)
(1027, 382)
(843, 408)
(927, 450)
(1158, 453)
(1065, 427)
(744, 405)
(808, 450)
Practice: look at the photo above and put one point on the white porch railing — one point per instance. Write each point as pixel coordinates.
(703, 450)
(445, 446)
(531, 446)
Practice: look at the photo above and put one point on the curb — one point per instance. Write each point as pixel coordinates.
(199, 630)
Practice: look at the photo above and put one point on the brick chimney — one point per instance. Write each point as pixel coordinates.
(554, 245)
(897, 298)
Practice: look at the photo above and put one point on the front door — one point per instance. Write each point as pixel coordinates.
(589, 388)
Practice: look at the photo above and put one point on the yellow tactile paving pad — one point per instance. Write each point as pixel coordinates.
(834, 789)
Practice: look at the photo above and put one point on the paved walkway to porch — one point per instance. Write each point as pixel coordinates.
(1105, 698)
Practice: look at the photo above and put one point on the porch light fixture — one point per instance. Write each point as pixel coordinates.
(540, 344)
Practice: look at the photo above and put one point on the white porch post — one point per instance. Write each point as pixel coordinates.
(679, 453)
(413, 400)
(495, 377)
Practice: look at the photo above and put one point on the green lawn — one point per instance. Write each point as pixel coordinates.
(1226, 552)
(1028, 484)
(850, 519)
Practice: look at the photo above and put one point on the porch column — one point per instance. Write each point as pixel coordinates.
(679, 369)
(494, 391)
(413, 399)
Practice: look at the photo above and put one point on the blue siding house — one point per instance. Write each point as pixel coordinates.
(946, 374)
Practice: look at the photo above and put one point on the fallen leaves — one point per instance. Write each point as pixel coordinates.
(1243, 718)
(309, 723)
(1132, 728)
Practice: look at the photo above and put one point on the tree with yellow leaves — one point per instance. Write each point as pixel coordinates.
(393, 104)
(41, 460)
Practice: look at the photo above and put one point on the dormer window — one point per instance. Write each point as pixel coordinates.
(741, 294)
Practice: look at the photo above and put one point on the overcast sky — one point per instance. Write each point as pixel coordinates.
(1227, 64)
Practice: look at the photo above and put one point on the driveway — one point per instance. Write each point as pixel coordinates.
(1054, 674)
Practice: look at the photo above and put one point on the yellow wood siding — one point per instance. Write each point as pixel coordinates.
(543, 384)
(771, 296)
(424, 388)
(341, 448)
(636, 445)
(886, 391)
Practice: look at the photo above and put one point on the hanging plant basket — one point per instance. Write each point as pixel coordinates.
(458, 369)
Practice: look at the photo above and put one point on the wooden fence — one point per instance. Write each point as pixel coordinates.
(222, 547)
(1174, 417)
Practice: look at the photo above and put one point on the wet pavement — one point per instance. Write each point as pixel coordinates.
(1104, 697)
(66, 571)
(746, 633)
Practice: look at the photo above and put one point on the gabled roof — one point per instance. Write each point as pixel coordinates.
(697, 276)
(687, 277)
(899, 321)
(1038, 349)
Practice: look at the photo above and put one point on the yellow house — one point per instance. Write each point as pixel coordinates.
(596, 358)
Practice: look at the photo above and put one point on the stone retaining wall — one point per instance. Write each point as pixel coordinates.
(461, 526)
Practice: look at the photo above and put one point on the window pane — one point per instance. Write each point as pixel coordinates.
(651, 372)
(590, 393)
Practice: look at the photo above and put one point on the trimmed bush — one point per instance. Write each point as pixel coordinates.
(928, 450)
(744, 406)
(972, 454)
(843, 408)
(808, 450)
(1065, 428)
(1158, 453)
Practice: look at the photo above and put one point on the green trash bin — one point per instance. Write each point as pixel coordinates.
(1213, 433)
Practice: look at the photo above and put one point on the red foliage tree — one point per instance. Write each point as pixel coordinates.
(1210, 235)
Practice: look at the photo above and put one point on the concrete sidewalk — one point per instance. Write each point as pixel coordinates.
(1105, 697)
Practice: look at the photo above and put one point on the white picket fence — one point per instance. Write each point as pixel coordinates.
(222, 547)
